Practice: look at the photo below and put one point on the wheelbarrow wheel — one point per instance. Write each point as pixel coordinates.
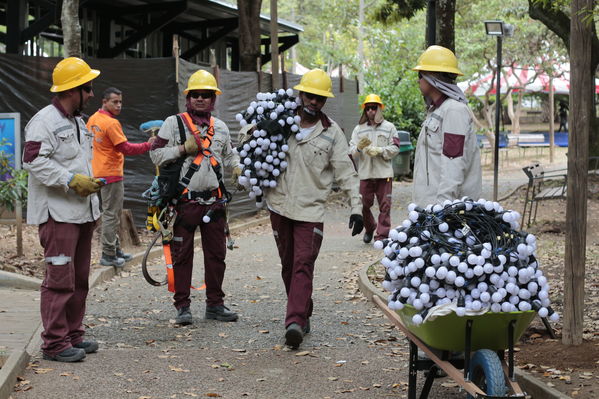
(486, 372)
(151, 272)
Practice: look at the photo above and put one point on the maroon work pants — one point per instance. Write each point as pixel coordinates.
(298, 244)
(189, 216)
(67, 250)
(381, 188)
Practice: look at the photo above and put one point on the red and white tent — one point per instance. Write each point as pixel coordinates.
(527, 79)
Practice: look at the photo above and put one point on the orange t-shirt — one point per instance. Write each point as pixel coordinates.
(108, 133)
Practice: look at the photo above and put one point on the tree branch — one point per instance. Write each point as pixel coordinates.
(559, 23)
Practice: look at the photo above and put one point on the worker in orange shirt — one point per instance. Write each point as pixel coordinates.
(110, 148)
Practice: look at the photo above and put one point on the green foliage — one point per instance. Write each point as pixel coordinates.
(392, 11)
(391, 55)
(13, 182)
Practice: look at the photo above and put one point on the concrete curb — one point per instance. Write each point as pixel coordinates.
(14, 365)
(18, 359)
(529, 384)
(14, 280)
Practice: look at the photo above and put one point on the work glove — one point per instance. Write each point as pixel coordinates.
(235, 178)
(84, 185)
(191, 146)
(374, 151)
(363, 143)
(356, 223)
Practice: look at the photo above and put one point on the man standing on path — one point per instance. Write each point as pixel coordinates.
(447, 162)
(374, 144)
(63, 203)
(110, 148)
(205, 144)
(318, 156)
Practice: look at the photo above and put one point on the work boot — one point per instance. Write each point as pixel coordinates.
(367, 237)
(183, 316)
(68, 355)
(220, 313)
(88, 346)
(306, 328)
(112, 260)
(124, 255)
(294, 335)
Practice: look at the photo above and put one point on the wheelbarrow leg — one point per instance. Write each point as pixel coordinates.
(428, 383)
(413, 371)
(548, 327)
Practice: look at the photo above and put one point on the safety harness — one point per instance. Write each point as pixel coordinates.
(168, 214)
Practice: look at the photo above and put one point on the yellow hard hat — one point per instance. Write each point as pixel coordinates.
(438, 59)
(71, 72)
(202, 80)
(373, 98)
(316, 82)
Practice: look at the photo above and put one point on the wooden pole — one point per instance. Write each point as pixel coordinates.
(581, 108)
(551, 122)
(274, 45)
(176, 55)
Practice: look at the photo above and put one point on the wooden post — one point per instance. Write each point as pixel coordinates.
(551, 121)
(581, 108)
(176, 55)
(274, 45)
(127, 232)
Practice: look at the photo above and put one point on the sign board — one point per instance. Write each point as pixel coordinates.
(10, 137)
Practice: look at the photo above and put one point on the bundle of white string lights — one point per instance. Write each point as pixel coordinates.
(263, 153)
(466, 253)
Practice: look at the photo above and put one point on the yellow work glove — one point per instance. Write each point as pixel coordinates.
(363, 143)
(374, 151)
(84, 185)
(191, 146)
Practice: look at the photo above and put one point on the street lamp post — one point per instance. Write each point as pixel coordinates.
(498, 29)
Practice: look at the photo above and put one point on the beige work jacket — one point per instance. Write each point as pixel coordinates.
(447, 162)
(61, 155)
(314, 163)
(204, 179)
(379, 167)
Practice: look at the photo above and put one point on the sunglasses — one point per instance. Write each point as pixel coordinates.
(371, 107)
(196, 94)
(87, 89)
(316, 97)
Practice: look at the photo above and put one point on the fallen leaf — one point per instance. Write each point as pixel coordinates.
(302, 353)
(42, 371)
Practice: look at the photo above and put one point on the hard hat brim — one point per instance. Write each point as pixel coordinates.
(215, 89)
(91, 75)
(437, 68)
(311, 90)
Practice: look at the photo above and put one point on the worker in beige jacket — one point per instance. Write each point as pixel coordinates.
(373, 145)
(447, 162)
(317, 159)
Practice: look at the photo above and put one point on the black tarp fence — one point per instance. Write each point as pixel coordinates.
(151, 90)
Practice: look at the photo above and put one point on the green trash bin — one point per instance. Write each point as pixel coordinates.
(401, 162)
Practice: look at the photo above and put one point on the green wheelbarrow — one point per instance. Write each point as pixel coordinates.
(483, 340)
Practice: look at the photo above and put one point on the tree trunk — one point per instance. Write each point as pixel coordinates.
(445, 14)
(249, 34)
(361, 60)
(71, 29)
(581, 109)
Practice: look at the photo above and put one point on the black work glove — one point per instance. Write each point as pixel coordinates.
(356, 223)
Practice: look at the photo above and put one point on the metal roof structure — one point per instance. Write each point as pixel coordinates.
(207, 30)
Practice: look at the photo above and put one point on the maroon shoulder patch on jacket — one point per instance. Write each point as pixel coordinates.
(31, 151)
(453, 145)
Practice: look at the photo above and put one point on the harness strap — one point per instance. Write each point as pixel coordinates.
(204, 142)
